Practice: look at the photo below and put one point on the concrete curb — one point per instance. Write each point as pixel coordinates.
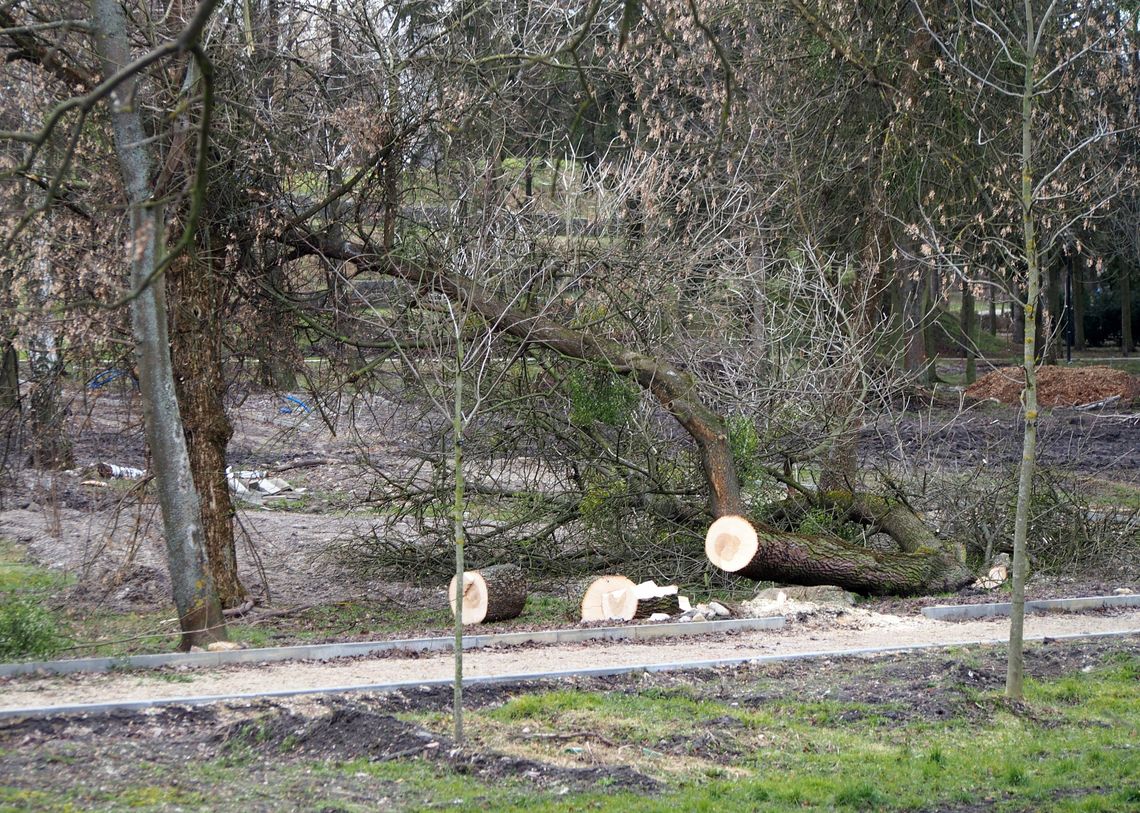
(322, 652)
(963, 612)
(137, 705)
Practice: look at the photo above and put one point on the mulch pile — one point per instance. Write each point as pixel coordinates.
(1057, 386)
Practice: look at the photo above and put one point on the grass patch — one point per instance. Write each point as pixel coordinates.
(29, 627)
(712, 744)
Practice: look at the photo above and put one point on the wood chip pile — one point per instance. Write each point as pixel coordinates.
(1057, 386)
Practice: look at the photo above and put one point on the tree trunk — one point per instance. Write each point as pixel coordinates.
(1017, 319)
(969, 325)
(609, 597)
(495, 593)
(1015, 669)
(930, 310)
(1127, 344)
(789, 557)
(9, 377)
(196, 354)
(993, 304)
(1051, 332)
(275, 345)
(915, 353)
(1080, 299)
(809, 560)
(199, 611)
(47, 414)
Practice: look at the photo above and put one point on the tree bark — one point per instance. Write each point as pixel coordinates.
(969, 325)
(495, 593)
(9, 377)
(199, 611)
(196, 354)
(811, 560)
(993, 304)
(1127, 343)
(1080, 299)
(1015, 667)
(1051, 334)
(47, 413)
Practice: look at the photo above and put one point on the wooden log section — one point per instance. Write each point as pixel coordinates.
(767, 554)
(653, 598)
(617, 598)
(731, 543)
(496, 593)
(609, 597)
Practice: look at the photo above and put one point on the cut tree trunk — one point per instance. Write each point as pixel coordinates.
(496, 593)
(767, 554)
(609, 597)
(618, 598)
(782, 556)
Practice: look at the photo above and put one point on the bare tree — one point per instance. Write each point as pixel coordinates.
(1024, 68)
(199, 610)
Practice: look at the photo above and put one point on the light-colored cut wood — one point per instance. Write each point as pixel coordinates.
(609, 597)
(495, 593)
(731, 543)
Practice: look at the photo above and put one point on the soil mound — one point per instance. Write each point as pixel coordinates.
(1057, 386)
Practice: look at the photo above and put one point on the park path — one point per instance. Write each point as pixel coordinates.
(829, 635)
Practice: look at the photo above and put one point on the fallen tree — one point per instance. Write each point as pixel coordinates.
(924, 563)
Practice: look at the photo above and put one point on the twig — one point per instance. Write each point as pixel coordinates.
(242, 609)
(571, 735)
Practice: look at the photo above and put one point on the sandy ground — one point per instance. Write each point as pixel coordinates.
(847, 631)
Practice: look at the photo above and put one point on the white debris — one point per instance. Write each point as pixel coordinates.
(719, 609)
(659, 617)
(273, 485)
(120, 472)
(683, 604)
(236, 485)
(222, 646)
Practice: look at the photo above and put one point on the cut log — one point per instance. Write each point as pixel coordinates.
(653, 598)
(495, 593)
(609, 597)
(731, 543)
(811, 560)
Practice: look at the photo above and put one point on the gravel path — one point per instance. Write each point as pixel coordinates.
(847, 631)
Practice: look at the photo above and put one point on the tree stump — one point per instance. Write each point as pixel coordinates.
(609, 597)
(731, 544)
(496, 593)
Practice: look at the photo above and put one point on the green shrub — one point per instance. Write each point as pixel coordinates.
(27, 630)
(597, 394)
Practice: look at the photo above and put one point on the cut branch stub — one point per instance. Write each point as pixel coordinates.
(609, 597)
(731, 543)
(495, 593)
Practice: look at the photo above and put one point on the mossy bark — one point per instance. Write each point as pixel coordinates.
(196, 353)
